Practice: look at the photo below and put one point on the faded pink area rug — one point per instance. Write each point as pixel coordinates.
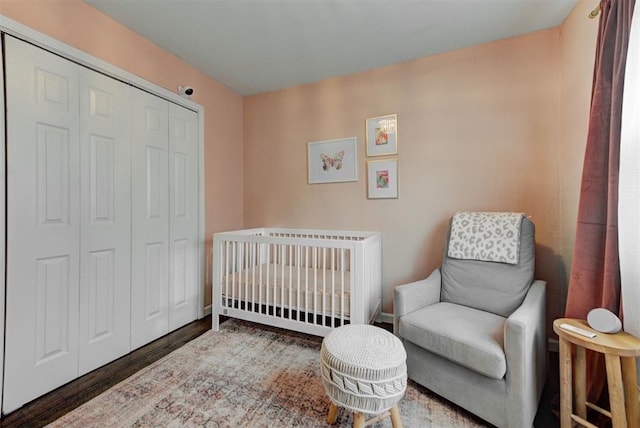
(246, 375)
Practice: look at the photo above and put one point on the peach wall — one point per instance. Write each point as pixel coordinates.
(578, 36)
(79, 25)
(500, 126)
(478, 130)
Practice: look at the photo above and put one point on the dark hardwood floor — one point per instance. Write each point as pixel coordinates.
(53, 405)
(548, 415)
(56, 403)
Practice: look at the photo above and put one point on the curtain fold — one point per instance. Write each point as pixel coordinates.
(595, 272)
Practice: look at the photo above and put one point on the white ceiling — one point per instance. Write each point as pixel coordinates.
(255, 46)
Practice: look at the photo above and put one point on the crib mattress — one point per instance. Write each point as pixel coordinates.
(319, 291)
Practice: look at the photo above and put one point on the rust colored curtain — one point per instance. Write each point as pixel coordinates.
(595, 272)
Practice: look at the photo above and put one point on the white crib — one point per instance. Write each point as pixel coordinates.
(304, 280)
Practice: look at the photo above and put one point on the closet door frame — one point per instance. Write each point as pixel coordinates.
(18, 30)
(3, 220)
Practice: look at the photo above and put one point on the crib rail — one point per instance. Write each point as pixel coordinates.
(305, 280)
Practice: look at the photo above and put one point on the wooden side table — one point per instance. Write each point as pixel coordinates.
(620, 350)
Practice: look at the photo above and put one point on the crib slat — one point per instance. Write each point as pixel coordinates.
(232, 267)
(306, 283)
(245, 260)
(276, 254)
(242, 285)
(290, 303)
(282, 260)
(298, 283)
(252, 263)
(267, 285)
(324, 284)
(342, 251)
(226, 273)
(333, 286)
(234, 270)
(260, 261)
(315, 284)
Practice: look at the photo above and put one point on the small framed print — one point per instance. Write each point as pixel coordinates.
(382, 179)
(382, 135)
(332, 161)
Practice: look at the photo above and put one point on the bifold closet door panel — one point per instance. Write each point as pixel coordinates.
(105, 220)
(150, 218)
(183, 228)
(43, 224)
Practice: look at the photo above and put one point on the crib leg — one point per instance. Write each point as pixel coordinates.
(215, 321)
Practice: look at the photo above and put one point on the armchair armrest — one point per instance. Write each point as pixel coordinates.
(525, 345)
(413, 296)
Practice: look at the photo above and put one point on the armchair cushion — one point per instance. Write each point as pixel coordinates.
(467, 336)
(489, 286)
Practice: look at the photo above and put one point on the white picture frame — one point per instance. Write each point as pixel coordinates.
(382, 135)
(382, 179)
(332, 161)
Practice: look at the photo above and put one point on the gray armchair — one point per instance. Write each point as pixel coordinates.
(474, 332)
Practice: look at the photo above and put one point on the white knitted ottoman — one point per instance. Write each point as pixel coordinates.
(364, 370)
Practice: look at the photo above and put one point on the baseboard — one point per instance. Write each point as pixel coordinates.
(207, 310)
(385, 317)
(554, 345)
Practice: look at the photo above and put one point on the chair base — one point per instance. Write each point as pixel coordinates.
(359, 420)
(470, 390)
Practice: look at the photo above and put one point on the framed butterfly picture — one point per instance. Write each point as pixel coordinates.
(332, 161)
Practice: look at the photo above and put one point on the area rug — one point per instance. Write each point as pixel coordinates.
(245, 375)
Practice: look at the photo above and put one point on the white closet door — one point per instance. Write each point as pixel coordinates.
(150, 218)
(183, 228)
(105, 220)
(43, 186)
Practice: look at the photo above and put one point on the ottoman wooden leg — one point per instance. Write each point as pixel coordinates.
(358, 420)
(333, 414)
(396, 421)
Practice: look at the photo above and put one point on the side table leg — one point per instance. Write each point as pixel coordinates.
(358, 420)
(616, 394)
(580, 382)
(333, 414)
(565, 384)
(629, 377)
